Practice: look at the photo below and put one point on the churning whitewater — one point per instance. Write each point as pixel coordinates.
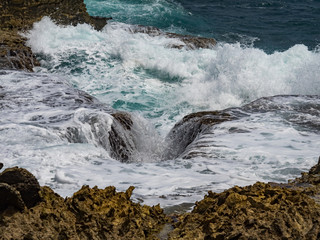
(273, 98)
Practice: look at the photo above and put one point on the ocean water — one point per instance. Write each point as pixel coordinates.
(265, 70)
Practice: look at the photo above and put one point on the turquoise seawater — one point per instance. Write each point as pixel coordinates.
(266, 67)
(271, 25)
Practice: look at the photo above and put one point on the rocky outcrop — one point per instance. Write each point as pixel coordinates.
(188, 41)
(10, 198)
(19, 15)
(260, 211)
(14, 54)
(21, 185)
(91, 213)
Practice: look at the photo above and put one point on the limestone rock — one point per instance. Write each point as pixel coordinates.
(312, 177)
(22, 14)
(91, 213)
(259, 211)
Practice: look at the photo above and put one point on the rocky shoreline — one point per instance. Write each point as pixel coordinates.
(259, 211)
(29, 211)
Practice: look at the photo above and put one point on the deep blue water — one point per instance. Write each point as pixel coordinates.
(269, 25)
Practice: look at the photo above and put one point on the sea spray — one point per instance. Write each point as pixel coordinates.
(140, 73)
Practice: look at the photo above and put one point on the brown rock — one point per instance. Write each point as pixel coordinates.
(9, 196)
(259, 211)
(24, 182)
(17, 15)
(91, 213)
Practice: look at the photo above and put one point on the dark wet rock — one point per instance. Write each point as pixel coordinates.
(190, 42)
(189, 128)
(78, 112)
(24, 182)
(124, 119)
(260, 211)
(10, 197)
(120, 138)
(1, 165)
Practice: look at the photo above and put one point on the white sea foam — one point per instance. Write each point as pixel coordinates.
(263, 147)
(137, 72)
(142, 74)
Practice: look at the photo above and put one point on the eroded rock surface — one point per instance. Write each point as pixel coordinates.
(91, 213)
(260, 211)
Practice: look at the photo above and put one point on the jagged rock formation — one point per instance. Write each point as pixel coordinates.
(18, 15)
(260, 211)
(91, 213)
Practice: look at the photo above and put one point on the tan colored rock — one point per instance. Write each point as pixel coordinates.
(259, 211)
(91, 213)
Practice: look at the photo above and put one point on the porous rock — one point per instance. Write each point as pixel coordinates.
(260, 211)
(311, 177)
(91, 213)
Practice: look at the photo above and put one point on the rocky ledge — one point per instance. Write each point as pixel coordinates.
(260, 211)
(19, 15)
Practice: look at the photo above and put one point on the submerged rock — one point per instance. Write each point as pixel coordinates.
(188, 41)
(188, 129)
